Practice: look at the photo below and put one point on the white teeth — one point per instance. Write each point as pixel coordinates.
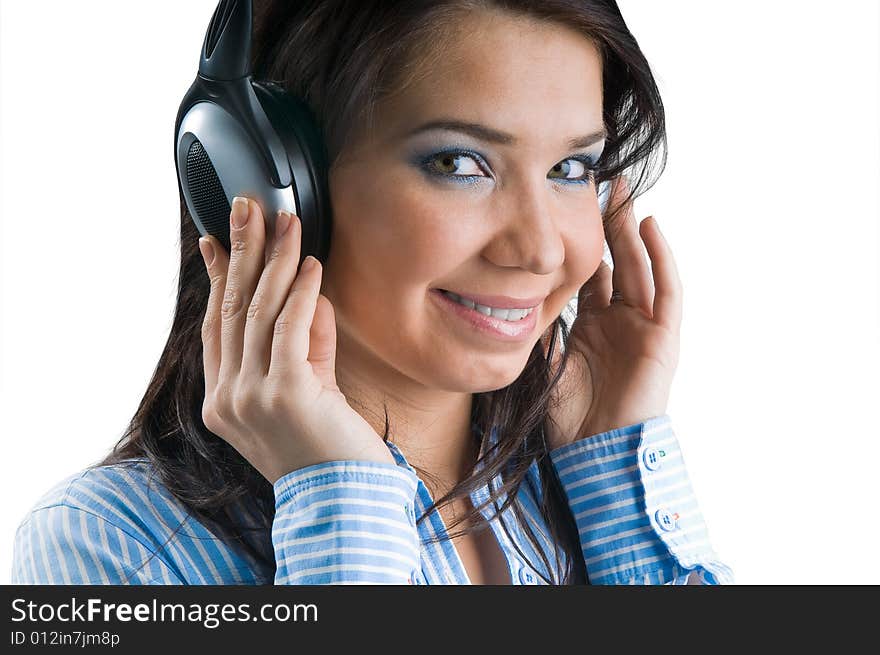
(517, 314)
(503, 314)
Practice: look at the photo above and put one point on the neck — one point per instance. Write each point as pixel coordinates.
(430, 426)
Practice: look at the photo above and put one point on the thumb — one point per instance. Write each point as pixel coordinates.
(595, 295)
(322, 342)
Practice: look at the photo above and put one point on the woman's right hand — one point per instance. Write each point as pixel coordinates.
(269, 350)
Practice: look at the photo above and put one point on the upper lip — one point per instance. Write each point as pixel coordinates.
(500, 302)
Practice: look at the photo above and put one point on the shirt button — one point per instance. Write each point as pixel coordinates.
(651, 457)
(526, 576)
(665, 519)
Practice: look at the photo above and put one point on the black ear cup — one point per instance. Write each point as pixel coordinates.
(218, 158)
(296, 127)
(207, 193)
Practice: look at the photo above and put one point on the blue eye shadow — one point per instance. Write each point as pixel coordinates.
(423, 161)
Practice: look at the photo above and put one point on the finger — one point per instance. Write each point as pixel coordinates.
(269, 298)
(291, 336)
(322, 342)
(630, 276)
(668, 289)
(211, 253)
(246, 244)
(595, 295)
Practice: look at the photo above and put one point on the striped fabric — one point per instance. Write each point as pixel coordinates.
(350, 522)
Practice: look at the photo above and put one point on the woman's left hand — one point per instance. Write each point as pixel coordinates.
(623, 351)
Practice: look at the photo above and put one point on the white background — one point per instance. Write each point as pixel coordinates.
(769, 201)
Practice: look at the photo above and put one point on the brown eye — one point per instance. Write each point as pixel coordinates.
(456, 164)
(584, 169)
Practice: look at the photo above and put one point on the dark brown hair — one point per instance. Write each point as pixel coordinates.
(343, 57)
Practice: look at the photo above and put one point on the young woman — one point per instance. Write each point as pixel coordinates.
(333, 424)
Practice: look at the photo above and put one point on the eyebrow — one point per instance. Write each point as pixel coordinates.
(491, 135)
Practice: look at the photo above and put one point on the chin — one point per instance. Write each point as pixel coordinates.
(481, 374)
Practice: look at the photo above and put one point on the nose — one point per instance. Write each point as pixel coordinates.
(528, 236)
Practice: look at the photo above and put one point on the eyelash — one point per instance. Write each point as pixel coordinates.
(472, 180)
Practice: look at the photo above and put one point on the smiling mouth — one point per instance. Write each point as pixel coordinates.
(511, 315)
(517, 328)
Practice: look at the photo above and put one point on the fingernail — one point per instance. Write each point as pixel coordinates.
(281, 223)
(240, 212)
(309, 263)
(207, 251)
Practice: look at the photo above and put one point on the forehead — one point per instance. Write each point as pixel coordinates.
(507, 71)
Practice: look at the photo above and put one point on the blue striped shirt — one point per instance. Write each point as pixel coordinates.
(353, 522)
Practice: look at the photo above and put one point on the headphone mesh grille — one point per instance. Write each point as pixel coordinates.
(207, 193)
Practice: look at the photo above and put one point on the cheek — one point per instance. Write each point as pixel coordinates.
(584, 246)
(413, 233)
(392, 239)
(587, 249)
(421, 231)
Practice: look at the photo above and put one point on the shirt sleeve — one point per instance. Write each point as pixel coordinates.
(636, 513)
(346, 522)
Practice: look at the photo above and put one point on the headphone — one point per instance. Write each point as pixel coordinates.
(236, 136)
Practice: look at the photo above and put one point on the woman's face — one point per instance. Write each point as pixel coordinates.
(519, 217)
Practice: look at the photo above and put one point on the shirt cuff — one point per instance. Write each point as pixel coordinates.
(346, 522)
(636, 513)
